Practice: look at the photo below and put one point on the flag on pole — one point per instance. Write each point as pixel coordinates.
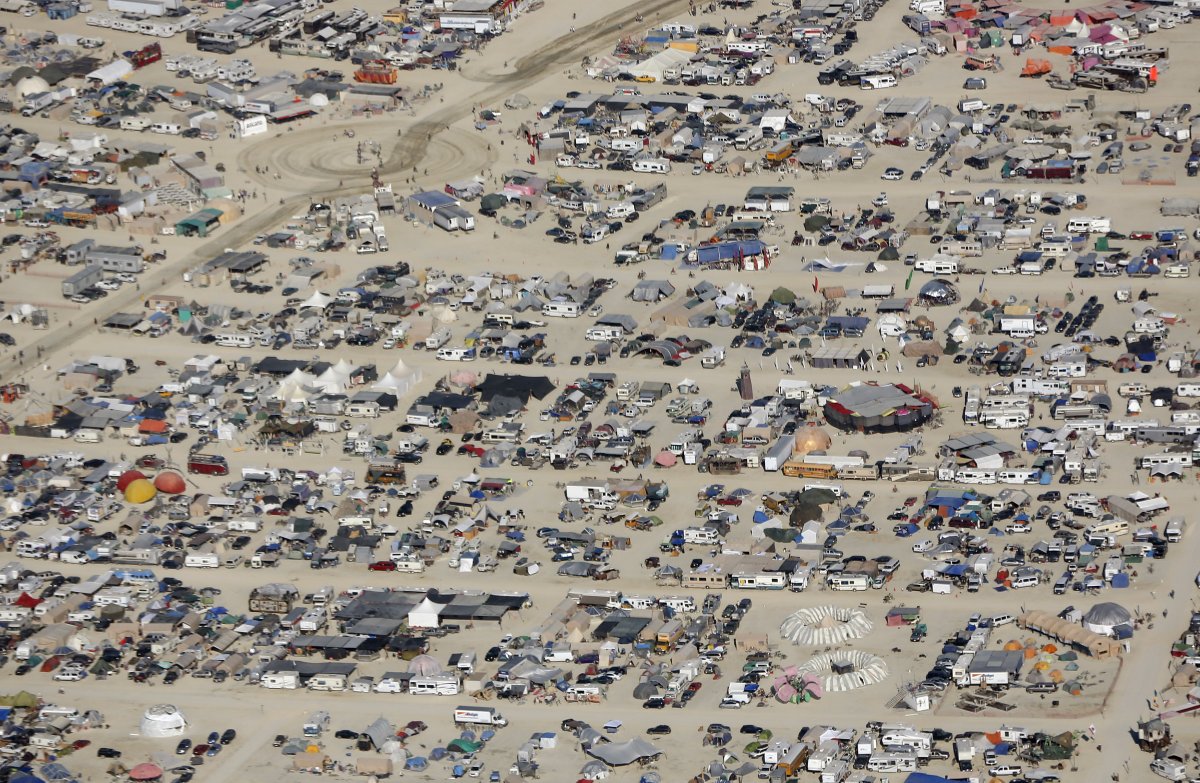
(981, 281)
(816, 285)
(908, 282)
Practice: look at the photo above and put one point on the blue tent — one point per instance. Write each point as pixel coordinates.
(1120, 580)
(907, 530)
(416, 763)
(761, 516)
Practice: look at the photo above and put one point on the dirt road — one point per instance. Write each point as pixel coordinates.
(309, 167)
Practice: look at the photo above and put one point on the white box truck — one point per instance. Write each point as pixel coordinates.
(486, 716)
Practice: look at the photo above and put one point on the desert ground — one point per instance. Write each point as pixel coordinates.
(436, 143)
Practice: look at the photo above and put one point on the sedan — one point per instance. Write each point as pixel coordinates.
(183, 747)
(893, 173)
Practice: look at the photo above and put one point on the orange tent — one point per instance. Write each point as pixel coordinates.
(152, 426)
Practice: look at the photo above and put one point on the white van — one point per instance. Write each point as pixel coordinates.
(235, 340)
(1171, 770)
(202, 561)
(87, 436)
(561, 309)
(602, 333)
(679, 603)
(849, 582)
(878, 82)
(652, 166)
(620, 210)
(936, 266)
(456, 354)
(1111, 527)
(1026, 580)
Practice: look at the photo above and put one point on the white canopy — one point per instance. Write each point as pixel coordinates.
(318, 300)
(424, 614)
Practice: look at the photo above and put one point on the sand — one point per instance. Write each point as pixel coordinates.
(316, 161)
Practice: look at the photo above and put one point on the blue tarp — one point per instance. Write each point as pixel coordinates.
(925, 777)
(728, 251)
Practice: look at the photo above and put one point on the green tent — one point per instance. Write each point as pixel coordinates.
(463, 746)
(23, 699)
(783, 296)
(781, 535)
(815, 222)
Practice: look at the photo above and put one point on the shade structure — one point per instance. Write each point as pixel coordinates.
(824, 625)
(127, 478)
(170, 483)
(140, 491)
(163, 720)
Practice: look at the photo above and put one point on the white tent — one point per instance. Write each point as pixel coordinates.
(424, 614)
(332, 382)
(318, 300)
(163, 720)
(392, 385)
(657, 64)
(111, 73)
(291, 392)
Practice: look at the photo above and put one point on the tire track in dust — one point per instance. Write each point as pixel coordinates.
(413, 147)
(408, 152)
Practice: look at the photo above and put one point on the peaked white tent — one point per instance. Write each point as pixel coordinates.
(318, 300)
(424, 614)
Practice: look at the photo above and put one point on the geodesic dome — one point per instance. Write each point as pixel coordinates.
(1105, 616)
(163, 720)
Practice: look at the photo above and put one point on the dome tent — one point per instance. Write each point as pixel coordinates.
(170, 483)
(1106, 616)
(809, 439)
(127, 478)
(140, 491)
(163, 720)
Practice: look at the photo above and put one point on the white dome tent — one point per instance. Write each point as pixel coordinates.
(163, 720)
(1104, 617)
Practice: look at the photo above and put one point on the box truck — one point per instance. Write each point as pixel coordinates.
(487, 716)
